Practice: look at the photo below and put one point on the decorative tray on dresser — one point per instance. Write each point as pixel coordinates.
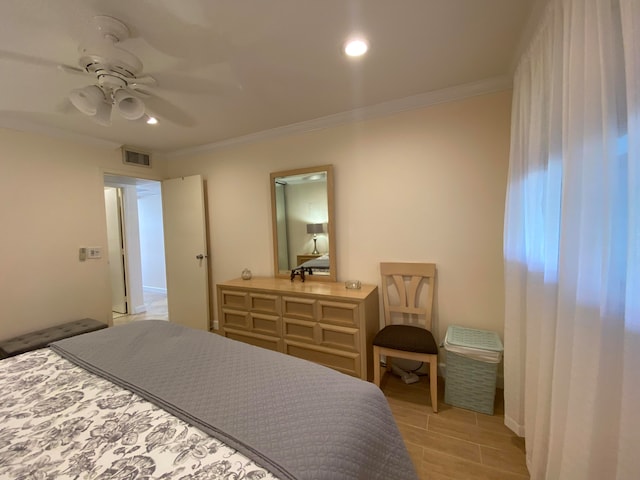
(323, 322)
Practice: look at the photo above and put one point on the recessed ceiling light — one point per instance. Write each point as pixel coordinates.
(356, 47)
(152, 120)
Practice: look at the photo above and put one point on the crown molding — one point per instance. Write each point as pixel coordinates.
(450, 94)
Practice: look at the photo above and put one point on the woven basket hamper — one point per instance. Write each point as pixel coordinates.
(471, 383)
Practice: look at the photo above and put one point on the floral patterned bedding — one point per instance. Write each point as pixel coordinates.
(58, 421)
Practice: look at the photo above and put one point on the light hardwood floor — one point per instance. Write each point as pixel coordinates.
(156, 309)
(454, 443)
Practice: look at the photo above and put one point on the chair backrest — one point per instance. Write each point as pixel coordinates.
(404, 294)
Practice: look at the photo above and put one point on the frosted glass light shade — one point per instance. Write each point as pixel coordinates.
(103, 114)
(130, 107)
(87, 99)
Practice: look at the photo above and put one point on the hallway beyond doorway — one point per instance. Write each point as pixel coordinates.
(156, 304)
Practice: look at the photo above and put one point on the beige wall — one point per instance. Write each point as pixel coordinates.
(426, 185)
(52, 203)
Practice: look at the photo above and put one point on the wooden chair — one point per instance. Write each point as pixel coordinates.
(403, 287)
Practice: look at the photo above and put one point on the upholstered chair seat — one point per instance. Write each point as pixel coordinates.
(406, 338)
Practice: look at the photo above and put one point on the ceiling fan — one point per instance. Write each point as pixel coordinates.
(118, 75)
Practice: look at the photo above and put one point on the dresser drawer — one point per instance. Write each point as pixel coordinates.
(264, 303)
(331, 336)
(235, 318)
(301, 330)
(344, 362)
(343, 338)
(339, 313)
(300, 308)
(234, 299)
(265, 324)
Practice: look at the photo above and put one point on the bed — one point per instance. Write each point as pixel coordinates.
(319, 265)
(154, 400)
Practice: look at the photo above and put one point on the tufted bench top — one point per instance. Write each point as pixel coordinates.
(42, 338)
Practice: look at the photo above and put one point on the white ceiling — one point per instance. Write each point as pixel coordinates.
(232, 68)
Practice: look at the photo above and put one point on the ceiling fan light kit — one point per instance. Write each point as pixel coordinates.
(93, 101)
(130, 107)
(86, 99)
(103, 114)
(117, 73)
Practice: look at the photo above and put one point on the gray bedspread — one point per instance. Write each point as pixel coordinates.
(298, 419)
(320, 263)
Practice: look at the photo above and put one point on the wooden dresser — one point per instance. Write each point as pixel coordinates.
(319, 321)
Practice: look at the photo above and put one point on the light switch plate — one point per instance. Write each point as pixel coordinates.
(94, 252)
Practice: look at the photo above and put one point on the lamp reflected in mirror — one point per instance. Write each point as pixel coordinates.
(315, 229)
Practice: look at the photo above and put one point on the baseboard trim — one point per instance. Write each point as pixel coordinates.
(513, 425)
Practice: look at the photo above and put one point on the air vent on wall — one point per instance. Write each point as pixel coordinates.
(135, 157)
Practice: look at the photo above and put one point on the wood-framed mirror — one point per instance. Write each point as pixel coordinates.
(302, 216)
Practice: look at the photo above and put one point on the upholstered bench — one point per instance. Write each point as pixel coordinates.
(42, 338)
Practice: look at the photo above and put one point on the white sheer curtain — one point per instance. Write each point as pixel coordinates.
(572, 244)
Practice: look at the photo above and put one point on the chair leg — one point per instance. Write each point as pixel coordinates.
(433, 383)
(376, 366)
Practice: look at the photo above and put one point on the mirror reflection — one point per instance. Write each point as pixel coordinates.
(302, 211)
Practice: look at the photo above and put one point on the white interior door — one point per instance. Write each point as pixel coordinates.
(115, 250)
(186, 251)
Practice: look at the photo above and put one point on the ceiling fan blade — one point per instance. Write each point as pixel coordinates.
(179, 37)
(65, 106)
(161, 108)
(185, 84)
(37, 61)
(214, 79)
(138, 91)
(146, 80)
(72, 70)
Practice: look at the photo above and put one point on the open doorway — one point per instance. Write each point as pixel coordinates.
(136, 248)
